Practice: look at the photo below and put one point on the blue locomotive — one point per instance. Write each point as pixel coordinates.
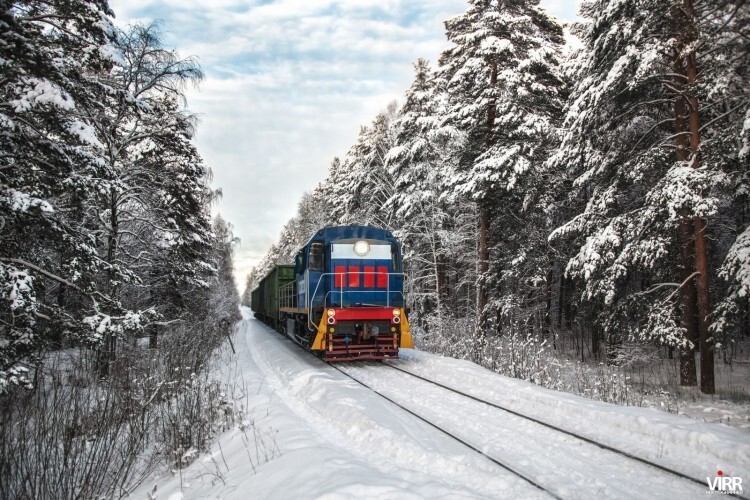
(346, 299)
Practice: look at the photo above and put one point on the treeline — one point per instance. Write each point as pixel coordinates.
(105, 238)
(580, 188)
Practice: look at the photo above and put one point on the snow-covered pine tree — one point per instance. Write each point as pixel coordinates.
(264, 266)
(417, 160)
(247, 296)
(223, 293)
(292, 237)
(251, 283)
(723, 80)
(647, 149)
(505, 92)
(418, 163)
(173, 233)
(51, 51)
(617, 115)
(314, 212)
(366, 186)
(334, 192)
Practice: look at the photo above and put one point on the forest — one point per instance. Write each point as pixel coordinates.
(574, 191)
(565, 194)
(116, 283)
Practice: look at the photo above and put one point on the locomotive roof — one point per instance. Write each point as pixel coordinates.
(328, 234)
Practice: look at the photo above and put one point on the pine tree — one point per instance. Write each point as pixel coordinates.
(224, 289)
(505, 92)
(645, 94)
(419, 163)
(48, 259)
(367, 186)
(173, 239)
(723, 80)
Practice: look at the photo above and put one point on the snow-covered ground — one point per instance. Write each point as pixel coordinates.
(730, 378)
(314, 433)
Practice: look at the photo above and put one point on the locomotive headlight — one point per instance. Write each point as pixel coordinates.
(361, 248)
(396, 319)
(332, 312)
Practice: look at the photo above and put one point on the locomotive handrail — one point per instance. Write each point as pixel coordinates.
(309, 299)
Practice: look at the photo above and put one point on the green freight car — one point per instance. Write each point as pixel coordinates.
(264, 300)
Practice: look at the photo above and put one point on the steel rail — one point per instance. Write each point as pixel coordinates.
(449, 434)
(564, 431)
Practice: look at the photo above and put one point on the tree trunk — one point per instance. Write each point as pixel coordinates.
(483, 265)
(108, 348)
(153, 337)
(687, 292)
(704, 308)
(442, 280)
(547, 324)
(595, 342)
(689, 302)
(561, 300)
(699, 224)
(483, 262)
(113, 231)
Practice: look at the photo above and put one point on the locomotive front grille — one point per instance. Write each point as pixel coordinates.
(380, 347)
(355, 340)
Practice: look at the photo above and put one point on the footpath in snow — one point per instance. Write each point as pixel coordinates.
(311, 432)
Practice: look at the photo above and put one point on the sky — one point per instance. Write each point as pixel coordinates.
(288, 85)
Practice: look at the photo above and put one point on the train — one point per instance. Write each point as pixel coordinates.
(343, 299)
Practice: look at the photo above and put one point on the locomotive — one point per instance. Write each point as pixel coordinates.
(343, 298)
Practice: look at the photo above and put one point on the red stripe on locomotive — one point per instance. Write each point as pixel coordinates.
(369, 276)
(339, 278)
(353, 276)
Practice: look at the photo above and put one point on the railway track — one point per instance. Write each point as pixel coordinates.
(432, 424)
(515, 470)
(451, 435)
(564, 431)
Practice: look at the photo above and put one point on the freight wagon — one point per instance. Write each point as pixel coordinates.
(264, 300)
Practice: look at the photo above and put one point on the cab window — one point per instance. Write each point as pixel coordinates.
(395, 259)
(299, 263)
(316, 256)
